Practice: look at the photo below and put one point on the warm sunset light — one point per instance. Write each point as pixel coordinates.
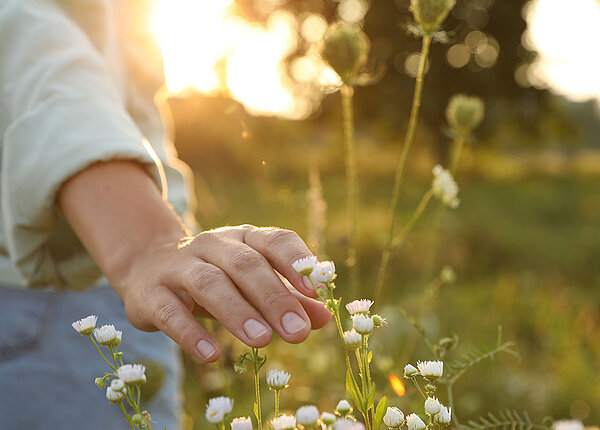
(566, 36)
(208, 47)
(397, 385)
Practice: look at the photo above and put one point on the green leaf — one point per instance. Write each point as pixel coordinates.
(352, 390)
(256, 410)
(380, 412)
(370, 398)
(507, 419)
(370, 357)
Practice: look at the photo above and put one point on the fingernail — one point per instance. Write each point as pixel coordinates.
(307, 283)
(254, 329)
(292, 322)
(206, 349)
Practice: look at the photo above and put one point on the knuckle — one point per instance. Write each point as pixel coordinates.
(166, 312)
(276, 298)
(275, 237)
(203, 276)
(245, 260)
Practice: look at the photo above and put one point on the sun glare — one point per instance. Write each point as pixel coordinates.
(208, 47)
(566, 36)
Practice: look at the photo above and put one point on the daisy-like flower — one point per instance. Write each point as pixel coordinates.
(348, 424)
(277, 379)
(359, 306)
(431, 369)
(410, 371)
(414, 422)
(432, 405)
(343, 407)
(444, 187)
(393, 418)
(307, 415)
(323, 272)
(113, 396)
(107, 335)
(352, 339)
(305, 265)
(217, 408)
(132, 374)
(328, 418)
(117, 385)
(444, 416)
(85, 325)
(363, 324)
(242, 423)
(284, 422)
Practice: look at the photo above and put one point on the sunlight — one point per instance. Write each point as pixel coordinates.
(208, 47)
(567, 39)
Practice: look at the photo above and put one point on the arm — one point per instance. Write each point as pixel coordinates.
(133, 235)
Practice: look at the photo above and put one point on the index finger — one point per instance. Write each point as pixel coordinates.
(281, 248)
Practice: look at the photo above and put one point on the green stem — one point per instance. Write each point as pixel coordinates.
(257, 388)
(100, 352)
(408, 140)
(352, 210)
(451, 403)
(419, 388)
(126, 415)
(113, 354)
(276, 403)
(457, 145)
(413, 219)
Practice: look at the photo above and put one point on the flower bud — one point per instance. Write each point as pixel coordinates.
(307, 415)
(444, 416)
(393, 418)
(448, 274)
(100, 382)
(410, 371)
(328, 418)
(352, 339)
(345, 48)
(113, 396)
(344, 408)
(363, 324)
(117, 385)
(432, 406)
(378, 320)
(464, 113)
(430, 14)
(136, 420)
(414, 422)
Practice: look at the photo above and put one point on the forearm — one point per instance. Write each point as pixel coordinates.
(118, 213)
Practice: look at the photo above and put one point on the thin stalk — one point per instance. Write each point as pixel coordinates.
(419, 388)
(413, 219)
(451, 403)
(457, 145)
(408, 140)
(352, 209)
(257, 388)
(100, 352)
(126, 415)
(276, 403)
(113, 354)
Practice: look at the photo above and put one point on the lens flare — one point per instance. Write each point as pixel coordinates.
(397, 385)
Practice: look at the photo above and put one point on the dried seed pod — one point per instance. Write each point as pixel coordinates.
(464, 113)
(430, 14)
(345, 47)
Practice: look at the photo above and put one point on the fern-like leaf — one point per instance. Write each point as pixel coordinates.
(506, 420)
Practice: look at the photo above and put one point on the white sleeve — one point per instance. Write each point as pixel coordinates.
(60, 111)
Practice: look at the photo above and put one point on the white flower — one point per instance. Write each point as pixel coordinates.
(363, 324)
(328, 418)
(352, 339)
(242, 423)
(444, 187)
(362, 306)
(444, 416)
(307, 415)
(410, 371)
(347, 424)
(567, 425)
(277, 379)
(343, 407)
(108, 335)
(284, 422)
(217, 408)
(113, 396)
(85, 325)
(414, 422)
(323, 272)
(306, 265)
(117, 385)
(432, 405)
(132, 373)
(393, 418)
(431, 369)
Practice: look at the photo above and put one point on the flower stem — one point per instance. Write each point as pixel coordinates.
(449, 388)
(126, 415)
(457, 145)
(419, 388)
(413, 220)
(276, 403)
(352, 210)
(257, 387)
(408, 140)
(100, 352)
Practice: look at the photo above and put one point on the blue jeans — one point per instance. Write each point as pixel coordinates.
(47, 369)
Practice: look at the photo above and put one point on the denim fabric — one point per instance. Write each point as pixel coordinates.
(47, 369)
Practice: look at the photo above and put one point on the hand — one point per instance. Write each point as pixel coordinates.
(229, 274)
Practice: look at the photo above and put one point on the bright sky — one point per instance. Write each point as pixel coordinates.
(566, 34)
(208, 47)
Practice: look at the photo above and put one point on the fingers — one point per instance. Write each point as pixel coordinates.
(259, 284)
(317, 312)
(170, 315)
(212, 289)
(281, 248)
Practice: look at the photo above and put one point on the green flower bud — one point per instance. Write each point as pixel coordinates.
(100, 382)
(378, 320)
(430, 14)
(136, 419)
(464, 113)
(345, 47)
(448, 275)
